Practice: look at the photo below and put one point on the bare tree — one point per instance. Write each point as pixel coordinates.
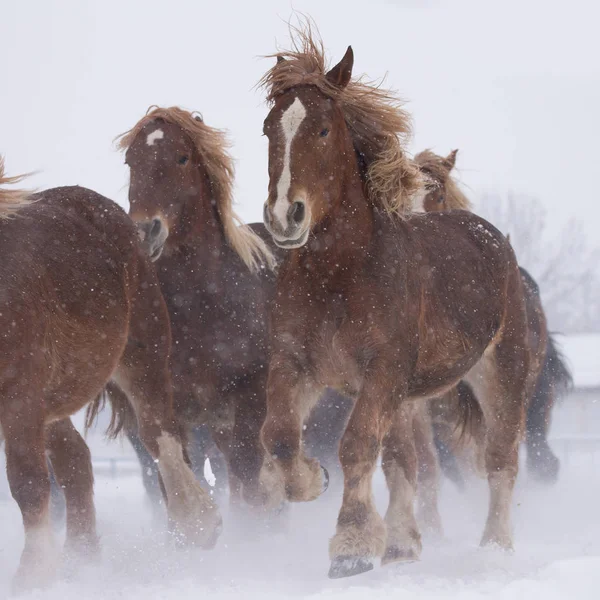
(564, 266)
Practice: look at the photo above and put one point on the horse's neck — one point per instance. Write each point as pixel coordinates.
(340, 244)
(204, 247)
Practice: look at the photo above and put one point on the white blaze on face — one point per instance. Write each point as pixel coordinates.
(157, 134)
(290, 123)
(419, 201)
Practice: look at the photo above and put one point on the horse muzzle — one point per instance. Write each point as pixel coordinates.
(290, 231)
(153, 234)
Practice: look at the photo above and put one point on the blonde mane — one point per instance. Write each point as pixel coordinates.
(436, 172)
(213, 146)
(11, 200)
(378, 126)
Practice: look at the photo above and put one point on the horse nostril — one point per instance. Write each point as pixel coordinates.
(266, 214)
(155, 228)
(297, 212)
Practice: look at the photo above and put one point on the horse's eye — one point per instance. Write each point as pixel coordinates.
(441, 199)
(324, 132)
(182, 160)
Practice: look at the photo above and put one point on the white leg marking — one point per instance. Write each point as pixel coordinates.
(189, 507)
(177, 476)
(290, 123)
(157, 134)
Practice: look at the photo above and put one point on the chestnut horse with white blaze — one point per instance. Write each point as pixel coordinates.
(80, 305)
(389, 308)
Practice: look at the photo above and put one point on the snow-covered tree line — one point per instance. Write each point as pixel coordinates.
(564, 264)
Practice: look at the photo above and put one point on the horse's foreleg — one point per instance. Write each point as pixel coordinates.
(72, 465)
(290, 397)
(261, 487)
(143, 374)
(361, 533)
(192, 515)
(148, 468)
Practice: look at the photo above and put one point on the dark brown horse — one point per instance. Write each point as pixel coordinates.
(442, 193)
(79, 305)
(373, 303)
(216, 277)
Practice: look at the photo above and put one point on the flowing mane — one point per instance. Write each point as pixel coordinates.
(213, 146)
(378, 125)
(11, 200)
(436, 173)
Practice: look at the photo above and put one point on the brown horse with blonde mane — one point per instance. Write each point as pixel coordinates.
(216, 277)
(442, 193)
(80, 306)
(370, 301)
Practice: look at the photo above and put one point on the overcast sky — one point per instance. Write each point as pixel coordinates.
(514, 84)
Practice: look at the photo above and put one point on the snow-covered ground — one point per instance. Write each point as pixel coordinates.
(557, 534)
(557, 540)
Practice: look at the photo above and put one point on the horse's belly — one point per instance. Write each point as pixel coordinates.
(441, 368)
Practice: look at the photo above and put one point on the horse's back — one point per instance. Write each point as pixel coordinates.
(461, 263)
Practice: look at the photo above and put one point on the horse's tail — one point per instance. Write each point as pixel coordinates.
(458, 421)
(554, 382)
(123, 416)
(11, 200)
(470, 416)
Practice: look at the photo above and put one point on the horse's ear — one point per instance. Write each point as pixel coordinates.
(342, 72)
(280, 59)
(450, 160)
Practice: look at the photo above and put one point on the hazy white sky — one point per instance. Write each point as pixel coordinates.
(514, 84)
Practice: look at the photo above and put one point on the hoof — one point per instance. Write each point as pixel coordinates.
(396, 554)
(325, 479)
(497, 542)
(347, 566)
(197, 539)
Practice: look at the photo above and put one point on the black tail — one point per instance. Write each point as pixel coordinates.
(122, 416)
(554, 382)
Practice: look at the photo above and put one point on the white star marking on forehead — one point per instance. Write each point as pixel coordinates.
(157, 134)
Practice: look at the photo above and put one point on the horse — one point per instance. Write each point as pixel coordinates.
(442, 193)
(371, 301)
(216, 276)
(80, 305)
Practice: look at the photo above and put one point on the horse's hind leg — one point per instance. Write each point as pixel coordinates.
(400, 468)
(428, 471)
(499, 380)
(72, 465)
(27, 471)
(542, 463)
